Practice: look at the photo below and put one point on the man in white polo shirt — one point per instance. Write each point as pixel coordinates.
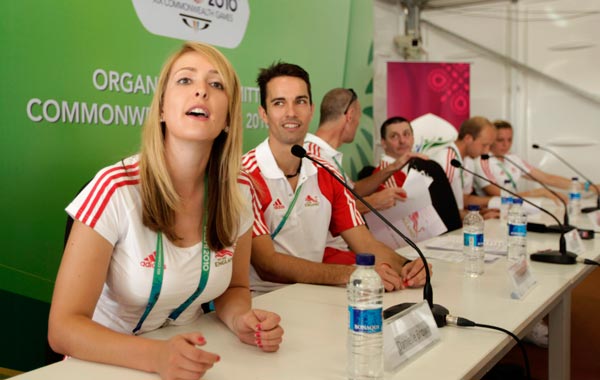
(475, 137)
(340, 116)
(296, 202)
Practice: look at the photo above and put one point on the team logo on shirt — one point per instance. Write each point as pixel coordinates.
(277, 205)
(149, 261)
(224, 256)
(311, 200)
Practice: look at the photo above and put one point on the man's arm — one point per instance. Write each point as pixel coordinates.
(470, 199)
(550, 179)
(278, 267)
(369, 185)
(382, 200)
(360, 239)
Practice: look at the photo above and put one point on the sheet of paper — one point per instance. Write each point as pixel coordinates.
(416, 217)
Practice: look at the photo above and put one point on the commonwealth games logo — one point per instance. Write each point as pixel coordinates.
(195, 23)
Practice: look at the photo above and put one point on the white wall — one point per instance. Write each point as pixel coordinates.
(534, 63)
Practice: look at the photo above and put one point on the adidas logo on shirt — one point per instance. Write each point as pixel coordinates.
(311, 200)
(277, 205)
(149, 261)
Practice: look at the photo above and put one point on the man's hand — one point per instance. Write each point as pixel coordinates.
(391, 279)
(386, 198)
(400, 162)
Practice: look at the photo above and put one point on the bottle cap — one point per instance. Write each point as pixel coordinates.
(365, 259)
(575, 178)
(517, 201)
(507, 181)
(473, 207)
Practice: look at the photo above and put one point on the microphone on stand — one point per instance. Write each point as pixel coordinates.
(565, 226)
(562, 256)
(585, 209)
(439, 312)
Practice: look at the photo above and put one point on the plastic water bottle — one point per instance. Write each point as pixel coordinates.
(517, 232)
(473, 242)
(505, 201)
(365, 337)
(574, 205)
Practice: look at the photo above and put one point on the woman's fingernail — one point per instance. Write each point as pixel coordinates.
(257, 334)
(218, 358)
(258, 328)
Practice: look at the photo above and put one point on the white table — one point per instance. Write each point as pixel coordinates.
(314, 319)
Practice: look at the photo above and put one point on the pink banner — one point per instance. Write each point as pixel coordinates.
(417, 88)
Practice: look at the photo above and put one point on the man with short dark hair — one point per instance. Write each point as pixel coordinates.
(296, 202)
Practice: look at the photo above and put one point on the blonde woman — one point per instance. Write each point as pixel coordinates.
(160, 233)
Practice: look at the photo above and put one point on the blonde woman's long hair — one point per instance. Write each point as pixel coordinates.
(224, 204)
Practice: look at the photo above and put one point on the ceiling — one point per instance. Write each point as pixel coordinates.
(440, 4)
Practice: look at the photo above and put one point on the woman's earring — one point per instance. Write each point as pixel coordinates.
(226, 129)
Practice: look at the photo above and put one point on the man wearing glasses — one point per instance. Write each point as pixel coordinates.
(340, 116)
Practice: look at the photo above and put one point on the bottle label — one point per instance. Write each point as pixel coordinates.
(473, 240)
(365, 320)
(506, 200)
(517, 230)
(574, 196)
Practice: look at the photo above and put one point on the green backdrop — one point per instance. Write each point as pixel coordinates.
(57, 56)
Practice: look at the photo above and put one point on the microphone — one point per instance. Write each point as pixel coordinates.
(562, 256)
(439, 312)
(586, 209)
(565, 227)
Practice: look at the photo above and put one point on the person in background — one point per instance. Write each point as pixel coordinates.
(397, 140)
(297, 202)
(475, 137)
(497, 169)
(340, 116)
(172, 223)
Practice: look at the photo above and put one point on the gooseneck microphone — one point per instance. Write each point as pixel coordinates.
(439, 312)
(562, 256)
(565, 227)
(586, 209)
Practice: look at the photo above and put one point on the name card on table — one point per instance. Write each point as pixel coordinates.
(574, 242)
(521, 278)
(408, 333)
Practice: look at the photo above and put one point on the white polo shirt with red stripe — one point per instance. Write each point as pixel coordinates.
(460, 181)
(395, 180)
(111, 204)
(322, 205)
(497, 170)
(316, 146)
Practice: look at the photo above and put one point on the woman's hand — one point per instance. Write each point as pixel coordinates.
(181, 358)
(413, 273)
(260, 328)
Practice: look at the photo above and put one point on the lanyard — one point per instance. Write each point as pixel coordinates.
(462, 180)
(340, 168)
(501, 165)
(287, 213)
(157, 278)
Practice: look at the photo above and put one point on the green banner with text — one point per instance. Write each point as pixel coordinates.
(77, 78)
